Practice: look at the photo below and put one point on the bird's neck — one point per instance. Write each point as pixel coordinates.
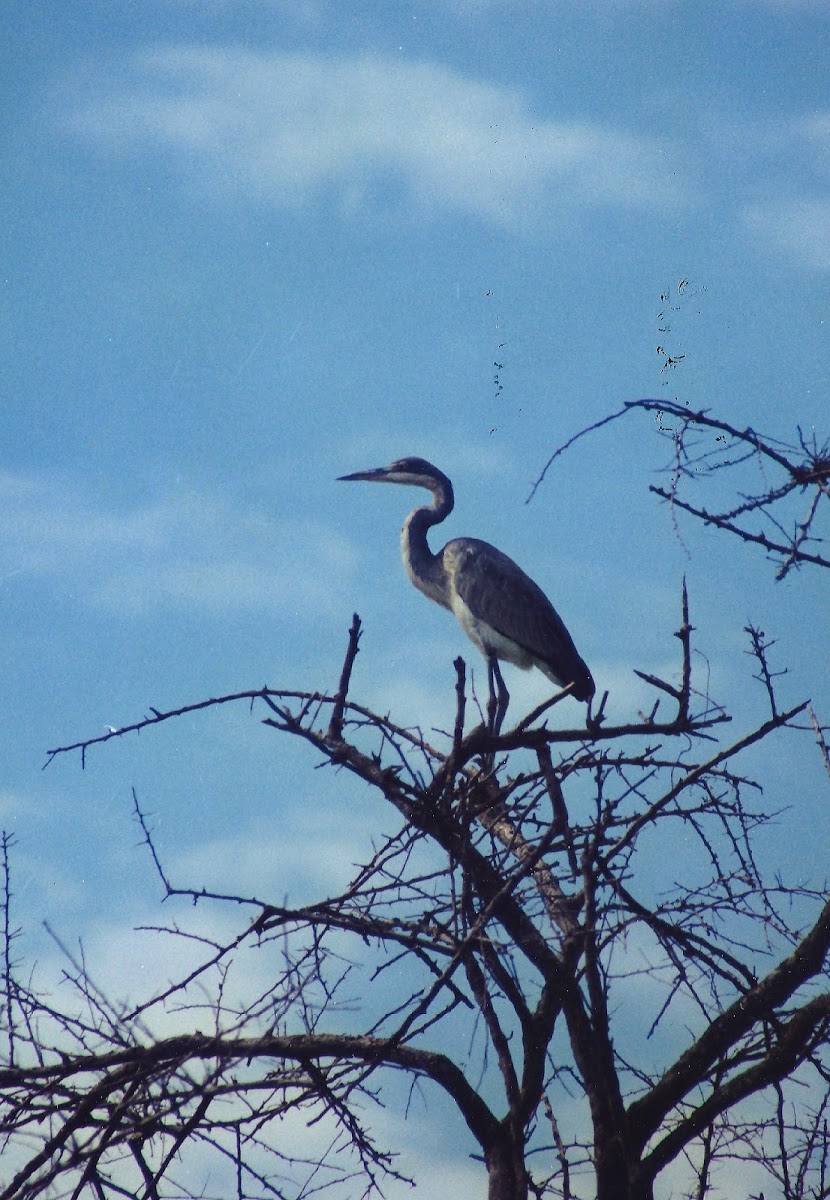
(425, 569)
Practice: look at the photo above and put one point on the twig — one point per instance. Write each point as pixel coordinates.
(335, 730)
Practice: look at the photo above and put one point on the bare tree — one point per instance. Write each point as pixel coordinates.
(596, 1006)
(783, 489)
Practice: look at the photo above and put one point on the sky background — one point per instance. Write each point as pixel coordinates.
(250, 246)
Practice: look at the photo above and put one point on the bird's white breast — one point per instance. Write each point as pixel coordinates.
(488, 640)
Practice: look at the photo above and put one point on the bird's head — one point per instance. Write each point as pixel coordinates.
(414, 472)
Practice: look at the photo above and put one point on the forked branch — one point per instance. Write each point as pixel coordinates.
(704, 446)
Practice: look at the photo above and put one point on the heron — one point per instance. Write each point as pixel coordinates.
(503, 612)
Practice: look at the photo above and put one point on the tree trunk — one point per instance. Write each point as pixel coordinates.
(617, 1178)
(507, 1173)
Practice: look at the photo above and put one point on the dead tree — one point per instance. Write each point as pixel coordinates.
(526, 937)
(770, 478)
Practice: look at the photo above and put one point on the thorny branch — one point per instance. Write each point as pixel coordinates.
(704, 447)
(514, 877)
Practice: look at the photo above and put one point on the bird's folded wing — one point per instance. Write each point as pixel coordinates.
(498, 592)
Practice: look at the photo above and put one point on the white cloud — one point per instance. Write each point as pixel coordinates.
(799, 227)
(811, 6)
(187, 550)
(309, 860)
(793, 219)
(815, 129)
(372, 132)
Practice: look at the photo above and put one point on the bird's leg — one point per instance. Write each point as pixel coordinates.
(492, 703)
(496, 706)
(504, 699)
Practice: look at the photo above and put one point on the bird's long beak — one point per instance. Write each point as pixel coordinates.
(376, 475)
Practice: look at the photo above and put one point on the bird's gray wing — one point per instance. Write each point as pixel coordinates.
(498, 592)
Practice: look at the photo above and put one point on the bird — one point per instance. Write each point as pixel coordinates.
(503, 612)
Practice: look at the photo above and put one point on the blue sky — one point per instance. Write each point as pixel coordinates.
(248, 247)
